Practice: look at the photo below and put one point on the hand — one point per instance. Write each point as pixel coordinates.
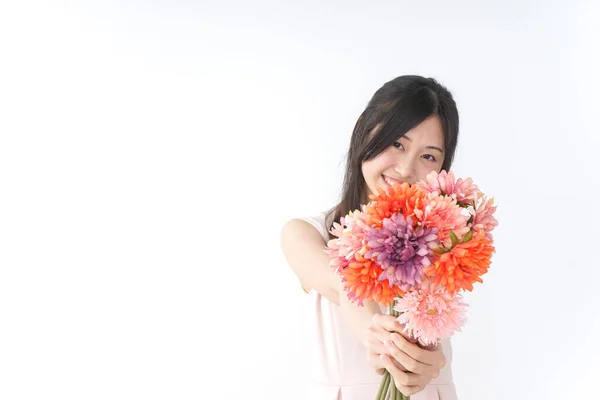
(379, 331)
(422, 365)
(411, 366)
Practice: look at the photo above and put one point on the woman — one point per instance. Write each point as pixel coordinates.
(408, 129)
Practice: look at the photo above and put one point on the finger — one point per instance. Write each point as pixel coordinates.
(375, 340)
(408, 362)
(375, 346)
(434, 358)
(427, 346)
(374, 360)
(387, 322)
(382, 325)
(373, 335)
(400, 377)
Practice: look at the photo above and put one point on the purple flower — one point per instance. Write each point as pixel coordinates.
(401, 252)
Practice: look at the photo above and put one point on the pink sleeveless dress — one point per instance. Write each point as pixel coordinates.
(340, 370)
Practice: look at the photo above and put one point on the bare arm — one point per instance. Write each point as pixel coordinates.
(303, 247)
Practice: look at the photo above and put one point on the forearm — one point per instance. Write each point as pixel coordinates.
(303, 247)
(358, 317)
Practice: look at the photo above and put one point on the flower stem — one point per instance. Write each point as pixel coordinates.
(396, 394)
(384, 385)
(392, 386)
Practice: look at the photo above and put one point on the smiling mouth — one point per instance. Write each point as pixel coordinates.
(390, 181)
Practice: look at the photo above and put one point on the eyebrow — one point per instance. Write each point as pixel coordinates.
(436, 148)
(427, 147)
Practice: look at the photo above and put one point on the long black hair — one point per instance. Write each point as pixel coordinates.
(397, 107)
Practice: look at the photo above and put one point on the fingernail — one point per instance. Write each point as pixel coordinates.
(388, 343)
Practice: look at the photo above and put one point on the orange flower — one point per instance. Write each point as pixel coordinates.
(401, 198)
(361, 279)
(463, 265)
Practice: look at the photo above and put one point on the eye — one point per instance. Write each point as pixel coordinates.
(398, 145)
(429, 157)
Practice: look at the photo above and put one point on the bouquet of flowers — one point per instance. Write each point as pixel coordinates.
(414, 249)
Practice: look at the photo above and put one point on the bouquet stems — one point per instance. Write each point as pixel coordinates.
(388, 389)
(382, 393)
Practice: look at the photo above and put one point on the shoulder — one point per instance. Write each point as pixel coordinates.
(298, 231)
(297, 228)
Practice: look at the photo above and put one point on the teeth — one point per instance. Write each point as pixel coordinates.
(389, 181)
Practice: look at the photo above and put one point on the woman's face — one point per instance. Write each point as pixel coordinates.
(409, 159)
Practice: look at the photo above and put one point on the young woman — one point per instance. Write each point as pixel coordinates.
(408, 129)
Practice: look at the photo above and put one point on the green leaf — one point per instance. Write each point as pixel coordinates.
(440, 250)
(467, 237)
(453, 238)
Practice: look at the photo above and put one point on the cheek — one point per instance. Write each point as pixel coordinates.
(370, 174)
(366, 167)
(371, 171)
(382, 162)
(425, 169)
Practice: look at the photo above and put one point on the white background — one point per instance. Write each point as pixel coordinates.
(151, 151)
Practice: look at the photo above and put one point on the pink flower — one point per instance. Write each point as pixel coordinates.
(445, 183)
(444, 214)
(431, 315)
(484, 216)
(350, 238)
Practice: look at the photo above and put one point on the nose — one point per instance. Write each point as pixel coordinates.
(406, 169)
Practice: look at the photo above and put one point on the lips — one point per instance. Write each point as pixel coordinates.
(390, 181)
